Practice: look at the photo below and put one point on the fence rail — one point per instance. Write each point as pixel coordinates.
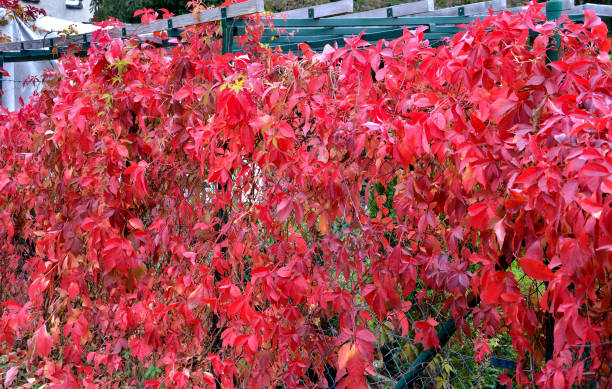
(473, 9)
(338, 9)
(600, 9)
(426, 8)
(318, 11)
(235, 10)
(404, 9)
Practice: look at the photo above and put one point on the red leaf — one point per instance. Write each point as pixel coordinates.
(140, 348)
(594, 169)
(196, 297)
(116, 47)
(189, 254)
(426, 333)
(529, 175)
(536, 269)
(480, 216)
(10, 376)
(500, 232)
(283, 210)
(136, 223)
(182, 93)
(365, 340)
(350, 359)
(491, 288)
(501, 106)
(43, 342)
(73, 290)
(88, 224)
(592, 207)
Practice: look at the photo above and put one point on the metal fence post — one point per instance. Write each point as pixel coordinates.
(444, 334)
(224, 32)
(1, 76)
(228, 32)
(553, 12)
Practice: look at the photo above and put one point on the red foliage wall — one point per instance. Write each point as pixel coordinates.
(205, 212)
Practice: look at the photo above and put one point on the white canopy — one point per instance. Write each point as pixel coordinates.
(51, 24)
(12, 85)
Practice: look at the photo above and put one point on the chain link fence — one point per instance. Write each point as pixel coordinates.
(454, 365)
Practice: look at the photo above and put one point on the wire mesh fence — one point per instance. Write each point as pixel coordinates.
(454, 365)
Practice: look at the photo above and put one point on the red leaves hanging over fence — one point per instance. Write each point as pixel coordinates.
(205, 216)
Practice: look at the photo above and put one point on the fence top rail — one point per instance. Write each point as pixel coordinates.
(481, 8)
(308, 17)
(600, 9)
(318, 11)
(210, 15)
(367, 22)
(395, 10)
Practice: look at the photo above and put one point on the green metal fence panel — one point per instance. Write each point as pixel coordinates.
(1, 76)
(367, 22)
(288, 34)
